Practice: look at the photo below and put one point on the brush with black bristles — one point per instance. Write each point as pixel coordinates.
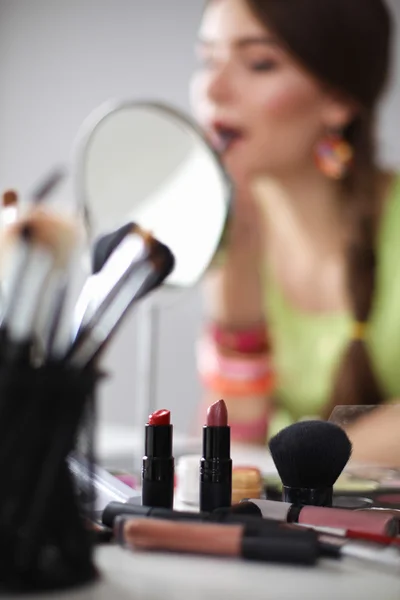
(105, 245)
(127, 270)
(113, 254)
(309, 457)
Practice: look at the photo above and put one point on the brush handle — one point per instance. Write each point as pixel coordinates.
(308, 496)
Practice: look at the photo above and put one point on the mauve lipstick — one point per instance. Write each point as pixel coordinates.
(158, 462)
(216, 463)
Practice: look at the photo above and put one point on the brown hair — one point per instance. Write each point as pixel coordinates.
(346, 43)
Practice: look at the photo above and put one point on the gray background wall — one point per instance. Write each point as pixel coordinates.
(60, 59)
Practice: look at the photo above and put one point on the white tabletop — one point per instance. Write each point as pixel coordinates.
(150, 576)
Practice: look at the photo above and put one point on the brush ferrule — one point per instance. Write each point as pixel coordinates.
(308, 496)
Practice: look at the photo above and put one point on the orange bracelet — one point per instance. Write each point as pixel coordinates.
(232, 374)
(236, 387)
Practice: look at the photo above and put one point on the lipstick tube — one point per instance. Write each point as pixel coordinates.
(216, 463)
(158, 462)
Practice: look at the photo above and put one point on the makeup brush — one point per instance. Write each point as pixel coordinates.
(8, 215)
(47, 185)
(309, 457)
(9, 208)
(64, 289)
(32, 251)
(117, 257)
(136, 280)
(106, 244)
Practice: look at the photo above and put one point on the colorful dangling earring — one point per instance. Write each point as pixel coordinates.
(334, 156)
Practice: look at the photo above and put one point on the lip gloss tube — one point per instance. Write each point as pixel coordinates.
(216, 463)
(158, 462)
(318, 516)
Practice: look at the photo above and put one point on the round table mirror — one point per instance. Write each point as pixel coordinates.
(148, 163)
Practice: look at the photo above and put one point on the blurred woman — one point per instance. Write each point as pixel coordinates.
(303, 308)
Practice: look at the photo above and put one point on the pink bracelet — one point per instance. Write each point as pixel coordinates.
(248, 368)
(252, 340)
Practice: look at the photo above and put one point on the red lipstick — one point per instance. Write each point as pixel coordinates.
(158, 462)
(216, 463)
(160, 417)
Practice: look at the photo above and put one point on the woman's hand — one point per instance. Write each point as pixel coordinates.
(376, 437)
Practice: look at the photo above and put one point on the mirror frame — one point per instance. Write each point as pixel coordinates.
(107, 110)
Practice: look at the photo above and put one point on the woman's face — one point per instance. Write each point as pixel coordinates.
(253, 100)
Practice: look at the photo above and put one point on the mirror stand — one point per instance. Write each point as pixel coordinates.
(147, 362)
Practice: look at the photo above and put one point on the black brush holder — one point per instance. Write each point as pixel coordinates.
(45, 542)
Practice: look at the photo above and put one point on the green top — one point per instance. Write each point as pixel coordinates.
(308, 347)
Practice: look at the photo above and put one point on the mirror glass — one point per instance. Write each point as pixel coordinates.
(148, 163)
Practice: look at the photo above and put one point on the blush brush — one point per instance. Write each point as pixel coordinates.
(309, 457)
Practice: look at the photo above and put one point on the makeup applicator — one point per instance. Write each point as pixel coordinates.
(48, 184)
(106, 244)
(309, 457)
(135, 268)
(33, 251)
(9, 208)
(114, 255)
(8, 215)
